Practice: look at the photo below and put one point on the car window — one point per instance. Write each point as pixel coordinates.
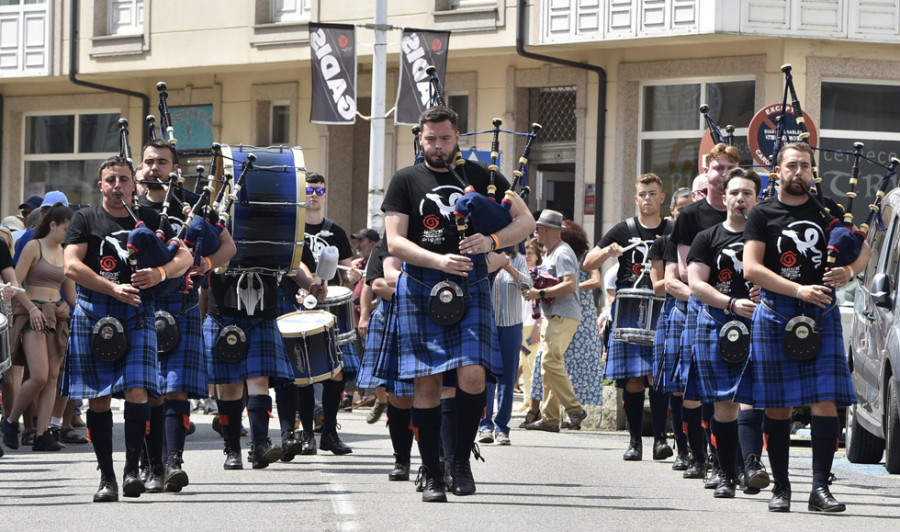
(876, 242)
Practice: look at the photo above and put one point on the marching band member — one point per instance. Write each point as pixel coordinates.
(632, 365)
(109, 291)
(784, 252)
(421, 233)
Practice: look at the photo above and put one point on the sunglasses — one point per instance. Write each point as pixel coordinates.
(318, 191)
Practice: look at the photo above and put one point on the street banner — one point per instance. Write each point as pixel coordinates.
(419, 49)
(333, 58)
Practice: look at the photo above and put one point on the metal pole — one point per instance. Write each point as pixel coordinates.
(376, 137)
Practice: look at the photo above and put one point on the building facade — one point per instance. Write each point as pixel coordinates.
(616, 85)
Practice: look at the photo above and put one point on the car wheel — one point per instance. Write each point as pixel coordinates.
(892, 430)
(862, 446)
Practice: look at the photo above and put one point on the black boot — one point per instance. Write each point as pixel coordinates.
(176, 478)
(401, 468)
(155, 482)
(132, 485)
(291, 446)
(232, 457)
(307, 443)
(635, 452)
(330, 441)
(431, 486)
(264, 453)
(463, 481)
(100, 425)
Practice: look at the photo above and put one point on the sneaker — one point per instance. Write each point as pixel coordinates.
(376, 412)
(501, 438)
(485, 436)
(10, 433)
(575, 419)
(45, 442)
(542, 425)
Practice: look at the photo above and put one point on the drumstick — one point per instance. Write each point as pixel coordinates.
(351, 268)
(16, 288)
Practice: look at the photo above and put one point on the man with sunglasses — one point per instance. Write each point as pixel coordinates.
(320, 232)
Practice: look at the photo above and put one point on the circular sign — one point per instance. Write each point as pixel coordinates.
(761, 132)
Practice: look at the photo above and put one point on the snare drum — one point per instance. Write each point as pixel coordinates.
(268, 219)
(340, 303)
(310, 343)
(637, 310)
(5, 356)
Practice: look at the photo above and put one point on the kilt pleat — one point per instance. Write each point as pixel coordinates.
(265, 352)
(711, 378)
(625, 360)
(671, 373)
(184, 368)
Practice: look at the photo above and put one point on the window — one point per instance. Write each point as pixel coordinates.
(125, 17)
(672, 126)
(25, 38)
(280, 124)
(289, 10)
(460, 104)
(63, 152)
(862, 111)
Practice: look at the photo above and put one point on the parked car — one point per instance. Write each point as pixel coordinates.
(873, 425)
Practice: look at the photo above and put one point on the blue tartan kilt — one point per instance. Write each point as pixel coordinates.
(426, 348)
(624, 361)
(711, 379)
(659, 339)
(777, 380)
(184, 368)
(671, 374)
(265, 352)
(84, 376)
(382, 336)
(349, 360)
(688, 334)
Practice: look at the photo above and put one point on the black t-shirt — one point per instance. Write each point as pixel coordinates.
(658, 249)
(670, 251)
(723, 251)
(631, 262)
(429, 197)
(795, 239)
(694, 218)
(223, 299)
(317, 238)
(5, 258)
(175, 211)
(375, 264)
(107, 238)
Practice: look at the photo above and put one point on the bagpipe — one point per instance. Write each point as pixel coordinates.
(542, 280)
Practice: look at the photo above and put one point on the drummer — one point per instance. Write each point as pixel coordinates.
(319, 233)
(632, 365)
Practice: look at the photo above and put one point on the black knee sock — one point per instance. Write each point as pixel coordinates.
(469, 411)
(155, 439)
(706, 414)
(675, 402)
(634, 413)
(448, 426)
(825, 432)
(777, 435)
(306, 406)
(401, 435)
(230, 413)
(427, 426)
(178, 419)
(750, 430)
(331, 401)
(724, 438)
(286, 400)
(99, 426)
(695, 436)
(137, 416)
(659, 412)
(258, 409)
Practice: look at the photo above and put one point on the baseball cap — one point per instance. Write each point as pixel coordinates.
(371, 234)
(53, 197)
(34, 202)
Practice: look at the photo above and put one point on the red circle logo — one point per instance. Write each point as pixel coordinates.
(637, 268)
(436, 45)
(788, 259)
(108, 263)
(342, 41)
(432, 221)
(725, 275)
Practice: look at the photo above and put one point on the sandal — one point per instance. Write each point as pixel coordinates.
(28, 437)
(69, 435)
(531, 417)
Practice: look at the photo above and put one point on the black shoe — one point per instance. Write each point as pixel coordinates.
(132, 485)
(401, 469)
(307, 443)
(756, 474)
(431, 486)
(45, 442)
(155, 482)
(290, 446)
(447, 467)
(661, 450)
(330, 441)
(635, 452)
(697, 469)
(781, 498)
(176, 478)
(264, 454)
(232, 459)
(745, 487)
(725, 488)
(715, 475)
(108, 491)
(10, 433)
(56, 436)
(821, 500)
(682, 461)
(463, 481)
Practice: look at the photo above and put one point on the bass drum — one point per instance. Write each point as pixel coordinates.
(268, 218)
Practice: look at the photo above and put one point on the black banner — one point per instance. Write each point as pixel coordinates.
(333, 58)
(419, 49)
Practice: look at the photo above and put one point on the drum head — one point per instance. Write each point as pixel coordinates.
(304, 323)
(337, 294)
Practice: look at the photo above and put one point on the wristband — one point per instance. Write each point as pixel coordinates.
(32, 309)
(162, 273)
(208, 263)
(542, 294)
(730, 309)
(495, 242)
(800, 293)
(850, 269)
